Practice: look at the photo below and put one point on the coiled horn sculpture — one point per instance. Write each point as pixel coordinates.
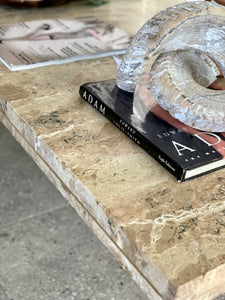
(189, 39)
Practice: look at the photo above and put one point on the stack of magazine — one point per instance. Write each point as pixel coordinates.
(48, 42)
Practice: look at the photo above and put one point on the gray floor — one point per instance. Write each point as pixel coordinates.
(46, 251)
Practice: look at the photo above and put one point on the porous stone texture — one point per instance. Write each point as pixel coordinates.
(169, 236)
(46, 251)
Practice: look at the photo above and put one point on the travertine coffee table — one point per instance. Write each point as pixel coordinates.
(169, 236)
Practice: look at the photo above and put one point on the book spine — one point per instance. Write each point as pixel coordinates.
(135, 136)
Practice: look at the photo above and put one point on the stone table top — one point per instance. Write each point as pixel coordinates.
(170, 236)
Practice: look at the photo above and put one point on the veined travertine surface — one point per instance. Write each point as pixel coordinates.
(168, 235)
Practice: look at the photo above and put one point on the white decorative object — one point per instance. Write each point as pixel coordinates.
(189, 40)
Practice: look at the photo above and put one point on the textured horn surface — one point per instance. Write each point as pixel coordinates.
(185, 37)
(181, 88)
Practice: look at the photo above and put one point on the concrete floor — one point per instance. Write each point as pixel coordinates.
(46, 251)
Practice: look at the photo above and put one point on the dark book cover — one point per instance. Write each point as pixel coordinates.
(182, 150)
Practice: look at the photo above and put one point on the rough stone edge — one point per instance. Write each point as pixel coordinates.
(205, 287)
(153, 275)
(136, 275)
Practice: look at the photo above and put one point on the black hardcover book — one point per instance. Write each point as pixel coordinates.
(182, 150)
